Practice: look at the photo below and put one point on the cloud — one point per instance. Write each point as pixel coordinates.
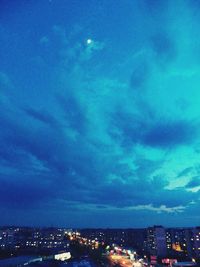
(170, 134)
(41, 116)
(146, 208)
(139, 75)
(161, 134)
(44, 40)
(185, 171)
(103, 131)
(194, 183)
(5, 81)
(163, 47)
(160, 209)
(155, 5)
(20, 193)
(74, 114)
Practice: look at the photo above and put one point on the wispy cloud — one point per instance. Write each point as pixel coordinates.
(160, 209)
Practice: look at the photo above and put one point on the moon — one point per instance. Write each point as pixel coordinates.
(89, 41)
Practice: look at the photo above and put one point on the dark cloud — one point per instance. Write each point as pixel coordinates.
(163, 47)
(53, 167)
(155, 6)
(26, 191)
(145, 168)
(32, 152)
(194, 182)
(139, 75)
(185, 172)
(130, 128)
(169, 134)
(73, 112)
(40, 115)
(134, 129)
(140, 192)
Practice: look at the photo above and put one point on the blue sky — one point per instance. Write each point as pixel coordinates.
(99, 113)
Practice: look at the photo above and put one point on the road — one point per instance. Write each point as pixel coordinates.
(123, 261)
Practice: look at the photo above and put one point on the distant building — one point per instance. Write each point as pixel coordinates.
(32, 238)
(183, 242)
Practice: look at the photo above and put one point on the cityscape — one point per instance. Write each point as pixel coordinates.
(99, 133)
(152, 246)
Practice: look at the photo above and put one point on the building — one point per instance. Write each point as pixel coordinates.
(156, 241)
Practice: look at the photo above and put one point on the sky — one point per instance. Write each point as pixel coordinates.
(100, 113)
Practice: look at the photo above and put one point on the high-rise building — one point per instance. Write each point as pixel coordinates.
(156, 241)
(196, 242)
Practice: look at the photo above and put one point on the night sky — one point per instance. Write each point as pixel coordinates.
(99, 113)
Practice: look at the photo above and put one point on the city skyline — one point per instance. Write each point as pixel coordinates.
(99, 113)
(181, 243)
